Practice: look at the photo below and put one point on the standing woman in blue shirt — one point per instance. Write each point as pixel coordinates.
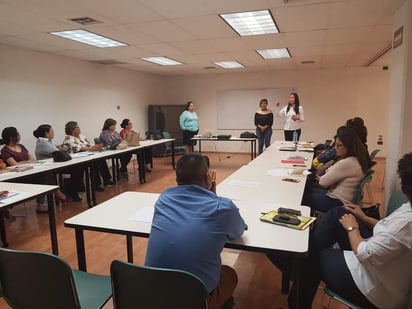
(189, 124)
(294, 116)
(263, 123)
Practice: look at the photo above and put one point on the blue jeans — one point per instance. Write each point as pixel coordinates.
(263, 138)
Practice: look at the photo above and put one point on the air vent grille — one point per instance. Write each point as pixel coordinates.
(85, 20)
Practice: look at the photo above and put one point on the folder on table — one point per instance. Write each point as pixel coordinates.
(294, 160)
(304, 221)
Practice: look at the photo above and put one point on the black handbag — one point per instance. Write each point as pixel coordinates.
(247, 134)
(61, 156)
(113, 145)
(372, 211)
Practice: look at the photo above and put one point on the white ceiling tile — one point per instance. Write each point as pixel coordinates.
(302, 18)
(203, 27)
(123, 11)
(178, 8)
(306, 51)
(346, 35)
(230, 44)
(351, 13)
(163, 49)
(197, 47)
(164, 31)
(310, 38)
(265, 41)
(236, 6)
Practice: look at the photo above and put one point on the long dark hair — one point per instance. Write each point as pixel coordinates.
(296, 108)
(42, 130)
(124, 123)
(354, 146)
(358, 125)
(8, 135)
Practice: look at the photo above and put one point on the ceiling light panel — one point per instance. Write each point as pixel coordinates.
(89, 38)
(161, 60)
(274, 53)
(229, 64)
(251, 23)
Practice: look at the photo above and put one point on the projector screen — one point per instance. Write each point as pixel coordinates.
(236, 108)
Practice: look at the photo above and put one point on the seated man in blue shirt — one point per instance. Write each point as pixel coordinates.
(190, 227)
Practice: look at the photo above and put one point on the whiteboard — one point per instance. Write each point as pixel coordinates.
(236, 108)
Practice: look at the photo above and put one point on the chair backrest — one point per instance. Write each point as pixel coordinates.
(374, 153)
(396, 200)
(97, 141)
(136, 286)
(167, 135)
(359, 194)
(36, 280)
(167, 145)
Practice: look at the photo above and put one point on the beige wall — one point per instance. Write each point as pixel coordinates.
(38, 88)
(400, 108)
(329, 98)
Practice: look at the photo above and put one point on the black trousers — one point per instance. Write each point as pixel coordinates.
(289, 134)
(324, 263)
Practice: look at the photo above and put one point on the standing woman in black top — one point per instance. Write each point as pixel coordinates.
(263, 123)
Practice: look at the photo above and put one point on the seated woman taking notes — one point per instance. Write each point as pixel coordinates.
(340, 183)
(373, 267)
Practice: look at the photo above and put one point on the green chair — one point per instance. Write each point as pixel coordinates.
(360, 194)
(396, 200)
(136, 286)
(340, 299)
(41, 280)
(180, 148)
(373, 154)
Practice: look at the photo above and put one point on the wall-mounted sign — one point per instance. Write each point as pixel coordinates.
(398, 37)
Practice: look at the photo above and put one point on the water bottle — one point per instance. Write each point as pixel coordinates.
(295, 137)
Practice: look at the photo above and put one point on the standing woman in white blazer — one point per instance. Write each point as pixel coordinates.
(294, 116)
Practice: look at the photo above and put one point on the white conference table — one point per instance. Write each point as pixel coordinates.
(231, 139)
(114, 216)
(87, 159)
(27, 192)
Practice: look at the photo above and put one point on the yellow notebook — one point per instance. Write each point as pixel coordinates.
(304, 221)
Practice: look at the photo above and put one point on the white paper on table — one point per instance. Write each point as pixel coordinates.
(143, 215)
(81, 154)
(41, 163)
(13, 196)
(278, 172)
(243, 183)
(299, 171)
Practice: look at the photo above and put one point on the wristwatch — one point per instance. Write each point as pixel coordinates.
(351, 228)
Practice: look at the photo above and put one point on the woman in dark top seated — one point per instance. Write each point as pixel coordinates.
(263, 123)
(14, 153)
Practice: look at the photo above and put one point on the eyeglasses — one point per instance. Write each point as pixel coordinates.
(338, 145)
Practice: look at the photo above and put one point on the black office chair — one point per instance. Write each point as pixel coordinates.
(136, 286)
(41, 280)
